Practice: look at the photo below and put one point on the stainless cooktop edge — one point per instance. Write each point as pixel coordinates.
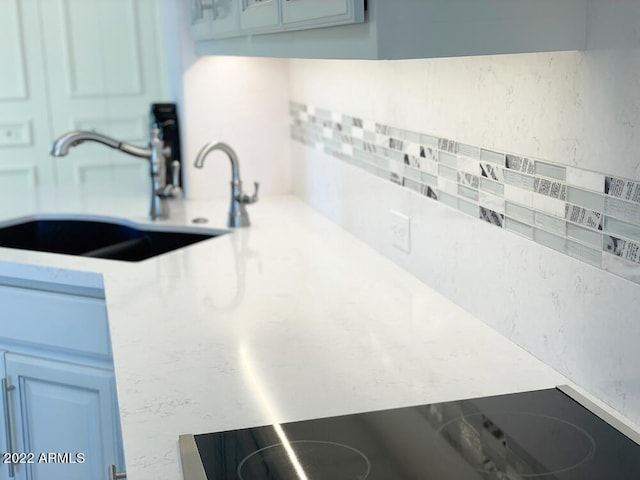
(600, 412)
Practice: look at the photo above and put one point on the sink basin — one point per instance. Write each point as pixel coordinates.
(116, 240)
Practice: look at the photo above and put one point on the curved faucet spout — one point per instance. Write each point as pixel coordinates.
(62, 144)
(233, 158)
(157, 154)
(238, 216)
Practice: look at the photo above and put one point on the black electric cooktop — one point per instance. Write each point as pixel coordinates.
(542, 434)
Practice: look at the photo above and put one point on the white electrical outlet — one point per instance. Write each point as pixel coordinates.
(401, 231)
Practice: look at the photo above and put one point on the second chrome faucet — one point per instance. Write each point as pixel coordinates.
(238, 216)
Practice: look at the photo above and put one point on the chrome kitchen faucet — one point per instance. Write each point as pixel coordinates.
(157, 154)
(238, 216)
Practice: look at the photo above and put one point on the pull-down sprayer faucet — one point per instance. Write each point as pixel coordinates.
(157, 154)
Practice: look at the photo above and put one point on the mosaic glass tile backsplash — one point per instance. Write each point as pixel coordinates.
(591, 216)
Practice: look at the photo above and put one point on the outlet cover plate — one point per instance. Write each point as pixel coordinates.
(401, 231)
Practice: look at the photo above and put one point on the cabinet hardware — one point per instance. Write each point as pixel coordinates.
(114, 475)
(6, 388)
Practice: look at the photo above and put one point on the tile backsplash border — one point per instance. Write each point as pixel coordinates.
(591, 216)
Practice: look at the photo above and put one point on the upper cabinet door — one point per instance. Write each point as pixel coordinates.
(224, 18)
(259, 16)
(300, 14)
(214, 18)
(201, 18)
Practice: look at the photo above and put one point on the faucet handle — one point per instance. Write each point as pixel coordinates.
(175, 173)
(246, 199)
(172, 190)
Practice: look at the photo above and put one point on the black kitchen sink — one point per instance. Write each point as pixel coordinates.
(98, 239)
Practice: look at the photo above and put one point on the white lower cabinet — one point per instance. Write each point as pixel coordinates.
(59, 403)
(61, 416)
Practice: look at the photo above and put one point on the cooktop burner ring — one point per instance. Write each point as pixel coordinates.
(468, 420)
(289, 448)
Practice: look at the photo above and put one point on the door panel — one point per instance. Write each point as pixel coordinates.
(105, 68)
(101, 52)
(224, 18)
(65, 410)
(24, 127)
(297, 14)
(259, 16)
(13, 81)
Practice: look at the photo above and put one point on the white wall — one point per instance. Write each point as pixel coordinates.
(576, 108)
(243, 102)
(240, 101)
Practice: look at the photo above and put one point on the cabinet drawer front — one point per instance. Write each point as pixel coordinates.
(55, 320)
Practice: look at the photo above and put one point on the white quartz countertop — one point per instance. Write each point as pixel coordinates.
(290, 319)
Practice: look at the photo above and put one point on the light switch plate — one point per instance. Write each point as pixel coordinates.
(401, 231)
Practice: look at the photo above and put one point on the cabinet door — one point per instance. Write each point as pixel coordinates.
(66, 410)
(259, 16)
(200, 19)
(300, 14)
(214, 19)
(224, 18)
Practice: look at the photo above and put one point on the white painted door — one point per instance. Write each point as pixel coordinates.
(259, 16)
(63, 409)
(301, 14)
(24, 126)
(104, 67)
(5, 470)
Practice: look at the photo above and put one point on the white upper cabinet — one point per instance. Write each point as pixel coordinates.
(224, 18)
(259, 16)
(214, 18)
(200, 18)
(398, 29)
(299, 14)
